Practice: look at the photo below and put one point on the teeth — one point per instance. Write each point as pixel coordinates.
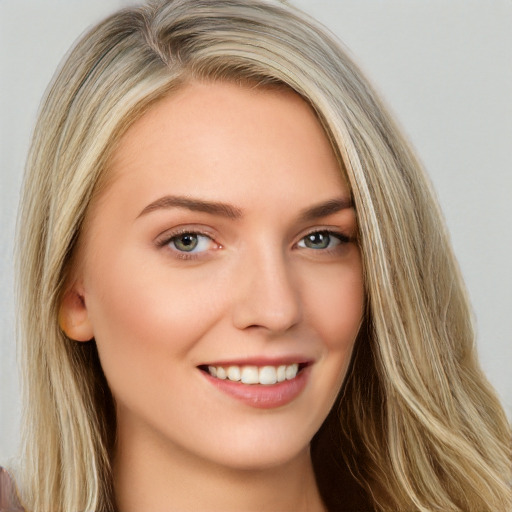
(250, 375)
(291, 371)
(234, 373)
(266, 375)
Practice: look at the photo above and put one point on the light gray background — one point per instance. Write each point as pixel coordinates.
(444, 67)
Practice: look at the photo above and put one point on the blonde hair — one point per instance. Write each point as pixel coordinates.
(417, 422)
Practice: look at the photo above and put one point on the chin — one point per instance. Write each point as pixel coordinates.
(261, 451)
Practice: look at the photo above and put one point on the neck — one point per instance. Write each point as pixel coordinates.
(152, 476)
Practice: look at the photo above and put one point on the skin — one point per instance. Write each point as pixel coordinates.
(252, 288)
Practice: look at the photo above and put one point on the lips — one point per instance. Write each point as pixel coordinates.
(260, 384)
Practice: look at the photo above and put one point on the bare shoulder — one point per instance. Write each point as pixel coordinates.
(9, 501)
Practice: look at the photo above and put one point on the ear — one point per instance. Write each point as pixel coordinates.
(74, 317)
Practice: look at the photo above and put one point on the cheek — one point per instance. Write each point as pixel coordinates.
(335, 303)
(141, 318)
(335, 306)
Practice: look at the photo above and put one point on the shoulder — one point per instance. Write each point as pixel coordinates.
(9, 501)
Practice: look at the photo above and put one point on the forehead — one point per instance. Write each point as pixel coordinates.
(211, 135)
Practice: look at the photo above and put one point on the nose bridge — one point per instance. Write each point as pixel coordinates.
(268, 294)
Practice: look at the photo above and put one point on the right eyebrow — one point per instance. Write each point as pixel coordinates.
(197, 205)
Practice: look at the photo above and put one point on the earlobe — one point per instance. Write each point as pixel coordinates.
(74, 317)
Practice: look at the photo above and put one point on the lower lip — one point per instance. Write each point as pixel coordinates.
(263, 396)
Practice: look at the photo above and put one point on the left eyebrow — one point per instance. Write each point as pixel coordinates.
(325, 209)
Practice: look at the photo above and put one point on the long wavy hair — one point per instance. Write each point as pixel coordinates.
(417, 424)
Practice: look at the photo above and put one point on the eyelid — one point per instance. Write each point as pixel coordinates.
(334, 231)
(321, 253)
(163, 240)
(164, 237)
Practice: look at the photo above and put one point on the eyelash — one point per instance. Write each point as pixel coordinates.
(168, 239)
(341, 237)
(183, 255)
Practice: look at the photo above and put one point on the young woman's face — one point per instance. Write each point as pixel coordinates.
(223, 248)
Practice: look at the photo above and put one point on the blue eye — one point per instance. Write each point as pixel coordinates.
(190, 242)
(322, 240)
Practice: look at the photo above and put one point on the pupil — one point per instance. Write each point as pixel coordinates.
(186, 242)
(318, 240)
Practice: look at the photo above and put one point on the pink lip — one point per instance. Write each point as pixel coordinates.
(262, 396)
(262, 361)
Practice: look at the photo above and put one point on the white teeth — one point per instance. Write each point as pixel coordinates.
(234, 373)
(250, 375)
(266, 375)
(291, 371)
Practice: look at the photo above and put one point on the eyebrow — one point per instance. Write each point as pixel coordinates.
(325, 209)
(232, 212)
(197, 205)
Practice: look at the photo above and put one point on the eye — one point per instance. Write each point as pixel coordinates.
(190, 242)
(322, 240)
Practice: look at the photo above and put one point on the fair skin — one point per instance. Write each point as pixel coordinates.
(225, 238)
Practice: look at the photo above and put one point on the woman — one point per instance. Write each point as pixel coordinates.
(245, 295)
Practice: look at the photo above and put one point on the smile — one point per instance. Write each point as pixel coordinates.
(263, 385)
(266, 375)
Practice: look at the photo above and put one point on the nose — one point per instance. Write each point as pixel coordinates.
(267, 295)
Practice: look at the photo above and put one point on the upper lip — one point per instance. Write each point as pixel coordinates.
(262, 361)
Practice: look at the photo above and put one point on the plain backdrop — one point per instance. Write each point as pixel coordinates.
(443, 66)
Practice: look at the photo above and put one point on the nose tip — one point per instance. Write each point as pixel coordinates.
(267, 297)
